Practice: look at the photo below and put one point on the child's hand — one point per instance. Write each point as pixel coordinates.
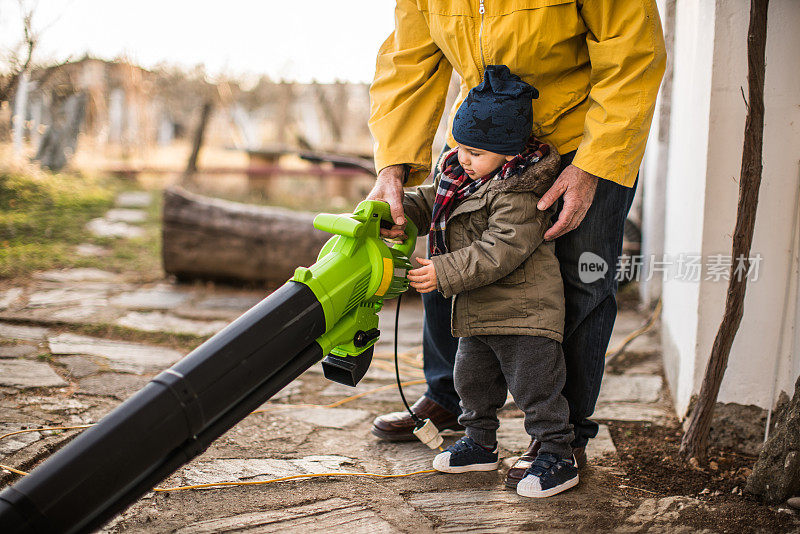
(424, 278)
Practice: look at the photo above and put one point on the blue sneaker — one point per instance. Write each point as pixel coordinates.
(465, 455)
(547, 476)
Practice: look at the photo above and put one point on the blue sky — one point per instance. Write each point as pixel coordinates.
(310, 39)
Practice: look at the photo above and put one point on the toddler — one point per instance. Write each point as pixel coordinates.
(487, 253)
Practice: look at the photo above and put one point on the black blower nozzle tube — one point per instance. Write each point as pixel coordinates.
(174, 418)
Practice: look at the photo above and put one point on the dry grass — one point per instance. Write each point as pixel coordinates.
(43, 217)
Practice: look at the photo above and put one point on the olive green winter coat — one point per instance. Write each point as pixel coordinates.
(503, 277)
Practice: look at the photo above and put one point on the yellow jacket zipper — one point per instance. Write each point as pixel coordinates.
(481, 10)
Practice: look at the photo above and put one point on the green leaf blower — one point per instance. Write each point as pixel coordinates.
(328, 309)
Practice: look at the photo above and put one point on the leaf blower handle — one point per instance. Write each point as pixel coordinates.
(407, 246)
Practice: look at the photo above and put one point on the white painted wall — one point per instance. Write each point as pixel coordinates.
(706, 132)
(755, 350)
(685, 187)
(653, 174)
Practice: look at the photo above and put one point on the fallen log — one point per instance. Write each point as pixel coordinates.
(213, 239)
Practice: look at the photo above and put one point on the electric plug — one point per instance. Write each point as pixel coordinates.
(429, 434)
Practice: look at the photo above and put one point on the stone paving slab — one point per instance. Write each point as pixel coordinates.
(164, 322)
(630, 388)
(122, 284)
(629, 363)
(627, 322)
(403, 457)
(376, 373)
(222, 302)
(88, 249)
(293, 388)
(217, 308)
(17, 351)
(151, 299)
(134, 199)
(617, 411)
(268, 435)
(236, 469)
(502, 511)
(329, 515)
(601, 445)
(105, 228)
(126, 215)
(9, 297)
(78, 314)
(23, 333)
(28, 374)
(67, 296)
(118, 386)
(83, 274)
(649, 342)
(121, 356)
(62, 405)
(327, 417)
(12, 444)
(192, 313)
(389, 395)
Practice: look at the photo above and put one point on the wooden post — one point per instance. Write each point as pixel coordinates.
(695, 440)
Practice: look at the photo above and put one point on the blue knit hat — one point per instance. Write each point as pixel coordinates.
(497, 115)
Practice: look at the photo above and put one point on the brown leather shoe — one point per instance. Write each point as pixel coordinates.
(399, 426)
(517, 471)
(580, 456)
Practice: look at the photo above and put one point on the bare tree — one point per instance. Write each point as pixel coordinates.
(695, 440)
(197, 143)
(333, 107)
(19, 58)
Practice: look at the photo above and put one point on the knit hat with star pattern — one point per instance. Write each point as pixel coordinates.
(497, 115)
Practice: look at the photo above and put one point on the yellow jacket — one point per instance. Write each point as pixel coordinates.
(597, 65)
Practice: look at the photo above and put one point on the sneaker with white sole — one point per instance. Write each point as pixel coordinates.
(465, 455)
(548, 476)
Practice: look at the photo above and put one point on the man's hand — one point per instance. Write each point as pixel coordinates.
(389, 188)
(577, 187)
(424, 278)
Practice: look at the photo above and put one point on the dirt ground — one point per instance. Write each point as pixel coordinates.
(646, 477)
(643, 488)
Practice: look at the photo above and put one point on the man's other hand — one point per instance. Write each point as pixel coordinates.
(577, 187)
(389, 188)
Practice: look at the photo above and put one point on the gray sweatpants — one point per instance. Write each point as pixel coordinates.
(533, 369)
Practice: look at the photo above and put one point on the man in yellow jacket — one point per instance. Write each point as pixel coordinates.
(597, 65)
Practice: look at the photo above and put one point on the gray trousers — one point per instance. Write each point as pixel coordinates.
(532, 368)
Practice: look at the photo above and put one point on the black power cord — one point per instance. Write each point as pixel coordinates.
(417, 421)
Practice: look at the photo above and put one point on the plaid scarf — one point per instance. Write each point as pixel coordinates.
(456, 185)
